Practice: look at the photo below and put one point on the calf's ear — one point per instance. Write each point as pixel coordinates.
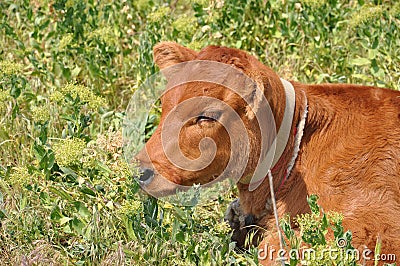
(170, 53)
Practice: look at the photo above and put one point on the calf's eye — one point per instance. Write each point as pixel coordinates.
(207, 117)
(201, 119)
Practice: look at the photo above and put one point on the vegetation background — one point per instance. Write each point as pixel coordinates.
(68, 69)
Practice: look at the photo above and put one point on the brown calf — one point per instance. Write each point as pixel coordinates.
(349, 153)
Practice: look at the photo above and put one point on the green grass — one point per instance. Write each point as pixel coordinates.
(67, 72)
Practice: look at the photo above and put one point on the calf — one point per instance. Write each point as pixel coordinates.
(342, 143)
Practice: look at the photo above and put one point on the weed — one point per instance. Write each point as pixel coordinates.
(67, 72)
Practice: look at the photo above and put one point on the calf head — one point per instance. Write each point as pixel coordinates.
(212, 118)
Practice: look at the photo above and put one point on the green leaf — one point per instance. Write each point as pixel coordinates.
(51, 159)
(238, 44)
(67, 229)
(75, 72)
(286, 227)
(175, 229)
(180, 237)
(379, 73)
(129, 228)
(66, 73)
(43, 162)
(324, 222)
(78, 225)
(2, 214)
(44, 197)
(15, 92)
(68, 171)
(82, 209)
(64, 220)
(312, 202)
(372, 53)
(43, 134)
(378, 247)
(88, 191)
(56, 214)
(180, 214)
(61, 193)
(360, 61)
(361, 76)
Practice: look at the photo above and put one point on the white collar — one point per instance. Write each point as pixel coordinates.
(282, 137)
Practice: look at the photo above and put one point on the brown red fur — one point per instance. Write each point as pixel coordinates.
(349, 154)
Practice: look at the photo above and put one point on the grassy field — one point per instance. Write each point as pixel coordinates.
(67, 71)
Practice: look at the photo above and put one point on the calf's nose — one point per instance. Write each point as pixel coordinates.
(145, 175)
